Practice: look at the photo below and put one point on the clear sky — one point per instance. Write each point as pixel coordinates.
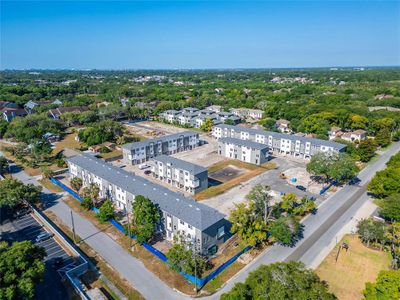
(191, 34)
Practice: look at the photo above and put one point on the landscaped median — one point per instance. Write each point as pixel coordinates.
(251, 172)
(153, 259)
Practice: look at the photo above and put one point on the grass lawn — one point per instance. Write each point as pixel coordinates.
(219, 189)
(347, 276)
(67, 142)
(50, 186)
(111, 154)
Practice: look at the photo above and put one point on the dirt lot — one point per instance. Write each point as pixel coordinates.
(228, 173)
(151, 129)
(347, 276)
(225, 202)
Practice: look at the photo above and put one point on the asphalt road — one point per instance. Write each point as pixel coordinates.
(28, 228)
(319, 228)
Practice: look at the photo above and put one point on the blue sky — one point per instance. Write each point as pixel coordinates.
(206, 34)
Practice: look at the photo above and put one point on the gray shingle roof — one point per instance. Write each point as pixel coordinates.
(279, 135)
(180, 164)
(160, 139)
(184, 208)
(245, 143)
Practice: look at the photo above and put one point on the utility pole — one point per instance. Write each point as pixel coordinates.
(73, 227)
(195, 265)
(129, 226)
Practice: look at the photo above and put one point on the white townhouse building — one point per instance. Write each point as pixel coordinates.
(181, 215)
(297, 146)
(245, 113)
(181, 174)
(193, 117)
(243, 150)
(140, 152)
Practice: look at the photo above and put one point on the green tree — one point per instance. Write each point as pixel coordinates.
(247, 225)
(182, 257)
(4, 166)
(87, 203)
(284, 230)
(387, 286)
(385, 182)
(262, 198)
(47, 172)
(390, 208)
(92, 192)
(3, 128)
(13, 192)
(366, 149)
(371, 231)
(146, 215)
(358, 122)
(21, 269)
(343, 168)
(76, 183)
(207, 125)
(319, 165)
(281, 281)
(383, 137)
(106, 211)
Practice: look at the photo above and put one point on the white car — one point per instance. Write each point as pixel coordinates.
(143, 166)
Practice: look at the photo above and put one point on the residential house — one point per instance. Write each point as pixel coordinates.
(354, 136)
(335, 132)
(202, 225)
(243, 150)
(9, 113)
(181, 174)
(31, 106)
(283, 126)
(280, 143)
(57, 112)
(140, 152)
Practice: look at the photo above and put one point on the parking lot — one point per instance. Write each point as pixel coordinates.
(28, 228)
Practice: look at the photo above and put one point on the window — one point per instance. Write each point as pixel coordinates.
(190, 226)
(180, 221)
(221, 232)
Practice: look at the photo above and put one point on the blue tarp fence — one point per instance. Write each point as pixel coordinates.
(327, 187)
(193, 279)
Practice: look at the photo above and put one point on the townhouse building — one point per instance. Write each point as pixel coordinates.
(244, 150)
(192, 117)
(170, 115)
(181, 174)
(181, 216)
(297, 146)
(245, 113)
(140, 152)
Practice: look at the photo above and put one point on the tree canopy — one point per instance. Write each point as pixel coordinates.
(145, 217)
(14, 192)
(280, 281)
(21, 269)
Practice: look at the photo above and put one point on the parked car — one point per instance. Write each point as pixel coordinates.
(58, 261)
(43, 236)
(143, 166)
(147, 172)
(301, 188)
(21, 212)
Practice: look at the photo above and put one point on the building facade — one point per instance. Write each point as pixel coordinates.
(181, 216)
(297, 146)
(192, 117)
(140, 152)
(184, 175)
(245, 113)
(244, 150)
